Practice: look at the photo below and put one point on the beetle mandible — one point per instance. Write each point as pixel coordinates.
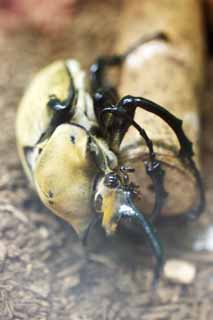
(68, 137)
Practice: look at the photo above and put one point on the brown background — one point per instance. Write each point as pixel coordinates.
(44, 273)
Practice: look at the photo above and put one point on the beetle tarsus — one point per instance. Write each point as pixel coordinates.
(156, 173)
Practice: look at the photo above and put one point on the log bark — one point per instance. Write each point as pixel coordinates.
(170, 73)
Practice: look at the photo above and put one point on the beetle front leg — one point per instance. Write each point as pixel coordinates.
(156, 173)
(186, 150)
(175, 123)
(153, 167)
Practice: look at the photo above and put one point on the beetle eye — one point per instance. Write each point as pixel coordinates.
(112, 180)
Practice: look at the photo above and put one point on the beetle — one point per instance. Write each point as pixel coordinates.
(69, 135)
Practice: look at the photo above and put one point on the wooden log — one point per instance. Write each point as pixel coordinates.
(40, 261)
(171, 74)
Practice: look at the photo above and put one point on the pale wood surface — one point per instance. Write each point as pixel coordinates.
(44, 273)
(170, 73)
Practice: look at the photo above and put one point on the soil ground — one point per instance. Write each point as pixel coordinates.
(44, 272)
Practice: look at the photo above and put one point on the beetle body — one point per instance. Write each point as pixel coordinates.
(69, 133)
(60, 164)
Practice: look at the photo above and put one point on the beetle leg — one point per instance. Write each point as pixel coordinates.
(186, 150)
(157, 174)
(153, 167)
(104, 94)
(175, 123)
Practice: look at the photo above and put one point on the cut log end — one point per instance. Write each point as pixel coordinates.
(182, 192)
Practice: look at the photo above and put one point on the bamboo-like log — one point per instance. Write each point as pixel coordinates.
(171, 74)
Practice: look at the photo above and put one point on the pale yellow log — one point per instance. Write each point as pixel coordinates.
(171, 74)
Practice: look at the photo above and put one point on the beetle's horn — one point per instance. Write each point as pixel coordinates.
(115, 203)
(129, 211)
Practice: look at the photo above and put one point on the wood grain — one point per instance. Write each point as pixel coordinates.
(170, 73)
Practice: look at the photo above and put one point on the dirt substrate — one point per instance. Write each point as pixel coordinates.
(44, 272)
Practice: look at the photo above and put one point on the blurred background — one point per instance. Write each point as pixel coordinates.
(44, 272)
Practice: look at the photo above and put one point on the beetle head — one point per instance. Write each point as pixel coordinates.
(113, 198)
